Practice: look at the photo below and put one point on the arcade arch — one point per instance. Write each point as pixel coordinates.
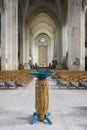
(42, 26)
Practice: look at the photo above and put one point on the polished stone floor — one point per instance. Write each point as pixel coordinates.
(68, 108)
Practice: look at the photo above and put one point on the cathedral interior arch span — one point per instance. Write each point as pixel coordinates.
(25, 22)
(43, 27)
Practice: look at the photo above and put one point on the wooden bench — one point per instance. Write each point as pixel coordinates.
(70, 78)
(14, 78)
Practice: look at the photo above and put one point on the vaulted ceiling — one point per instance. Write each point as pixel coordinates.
(56, 8)
(42, 24)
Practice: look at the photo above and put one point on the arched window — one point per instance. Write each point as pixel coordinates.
(42, 40)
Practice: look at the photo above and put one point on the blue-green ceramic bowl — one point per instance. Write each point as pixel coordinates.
(41, 75)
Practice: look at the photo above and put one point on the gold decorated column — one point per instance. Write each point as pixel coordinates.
(41, 98)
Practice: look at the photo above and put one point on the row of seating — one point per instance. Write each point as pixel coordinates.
(14, 78)
(71, 78)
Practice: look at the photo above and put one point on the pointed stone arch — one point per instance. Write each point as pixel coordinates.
(42, 24)
(47, 10)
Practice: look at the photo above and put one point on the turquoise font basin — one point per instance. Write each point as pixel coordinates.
(41, 75)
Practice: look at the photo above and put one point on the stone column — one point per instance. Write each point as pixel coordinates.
(82, 41)
(24, 39)
(3, 39)
(64, 44)
(64, 41)
(9, 36)
(75, 37)
(27, 44)
(22, 43)
(58, 46)
(14, 33)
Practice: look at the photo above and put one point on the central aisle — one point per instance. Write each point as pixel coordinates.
(68, 109)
